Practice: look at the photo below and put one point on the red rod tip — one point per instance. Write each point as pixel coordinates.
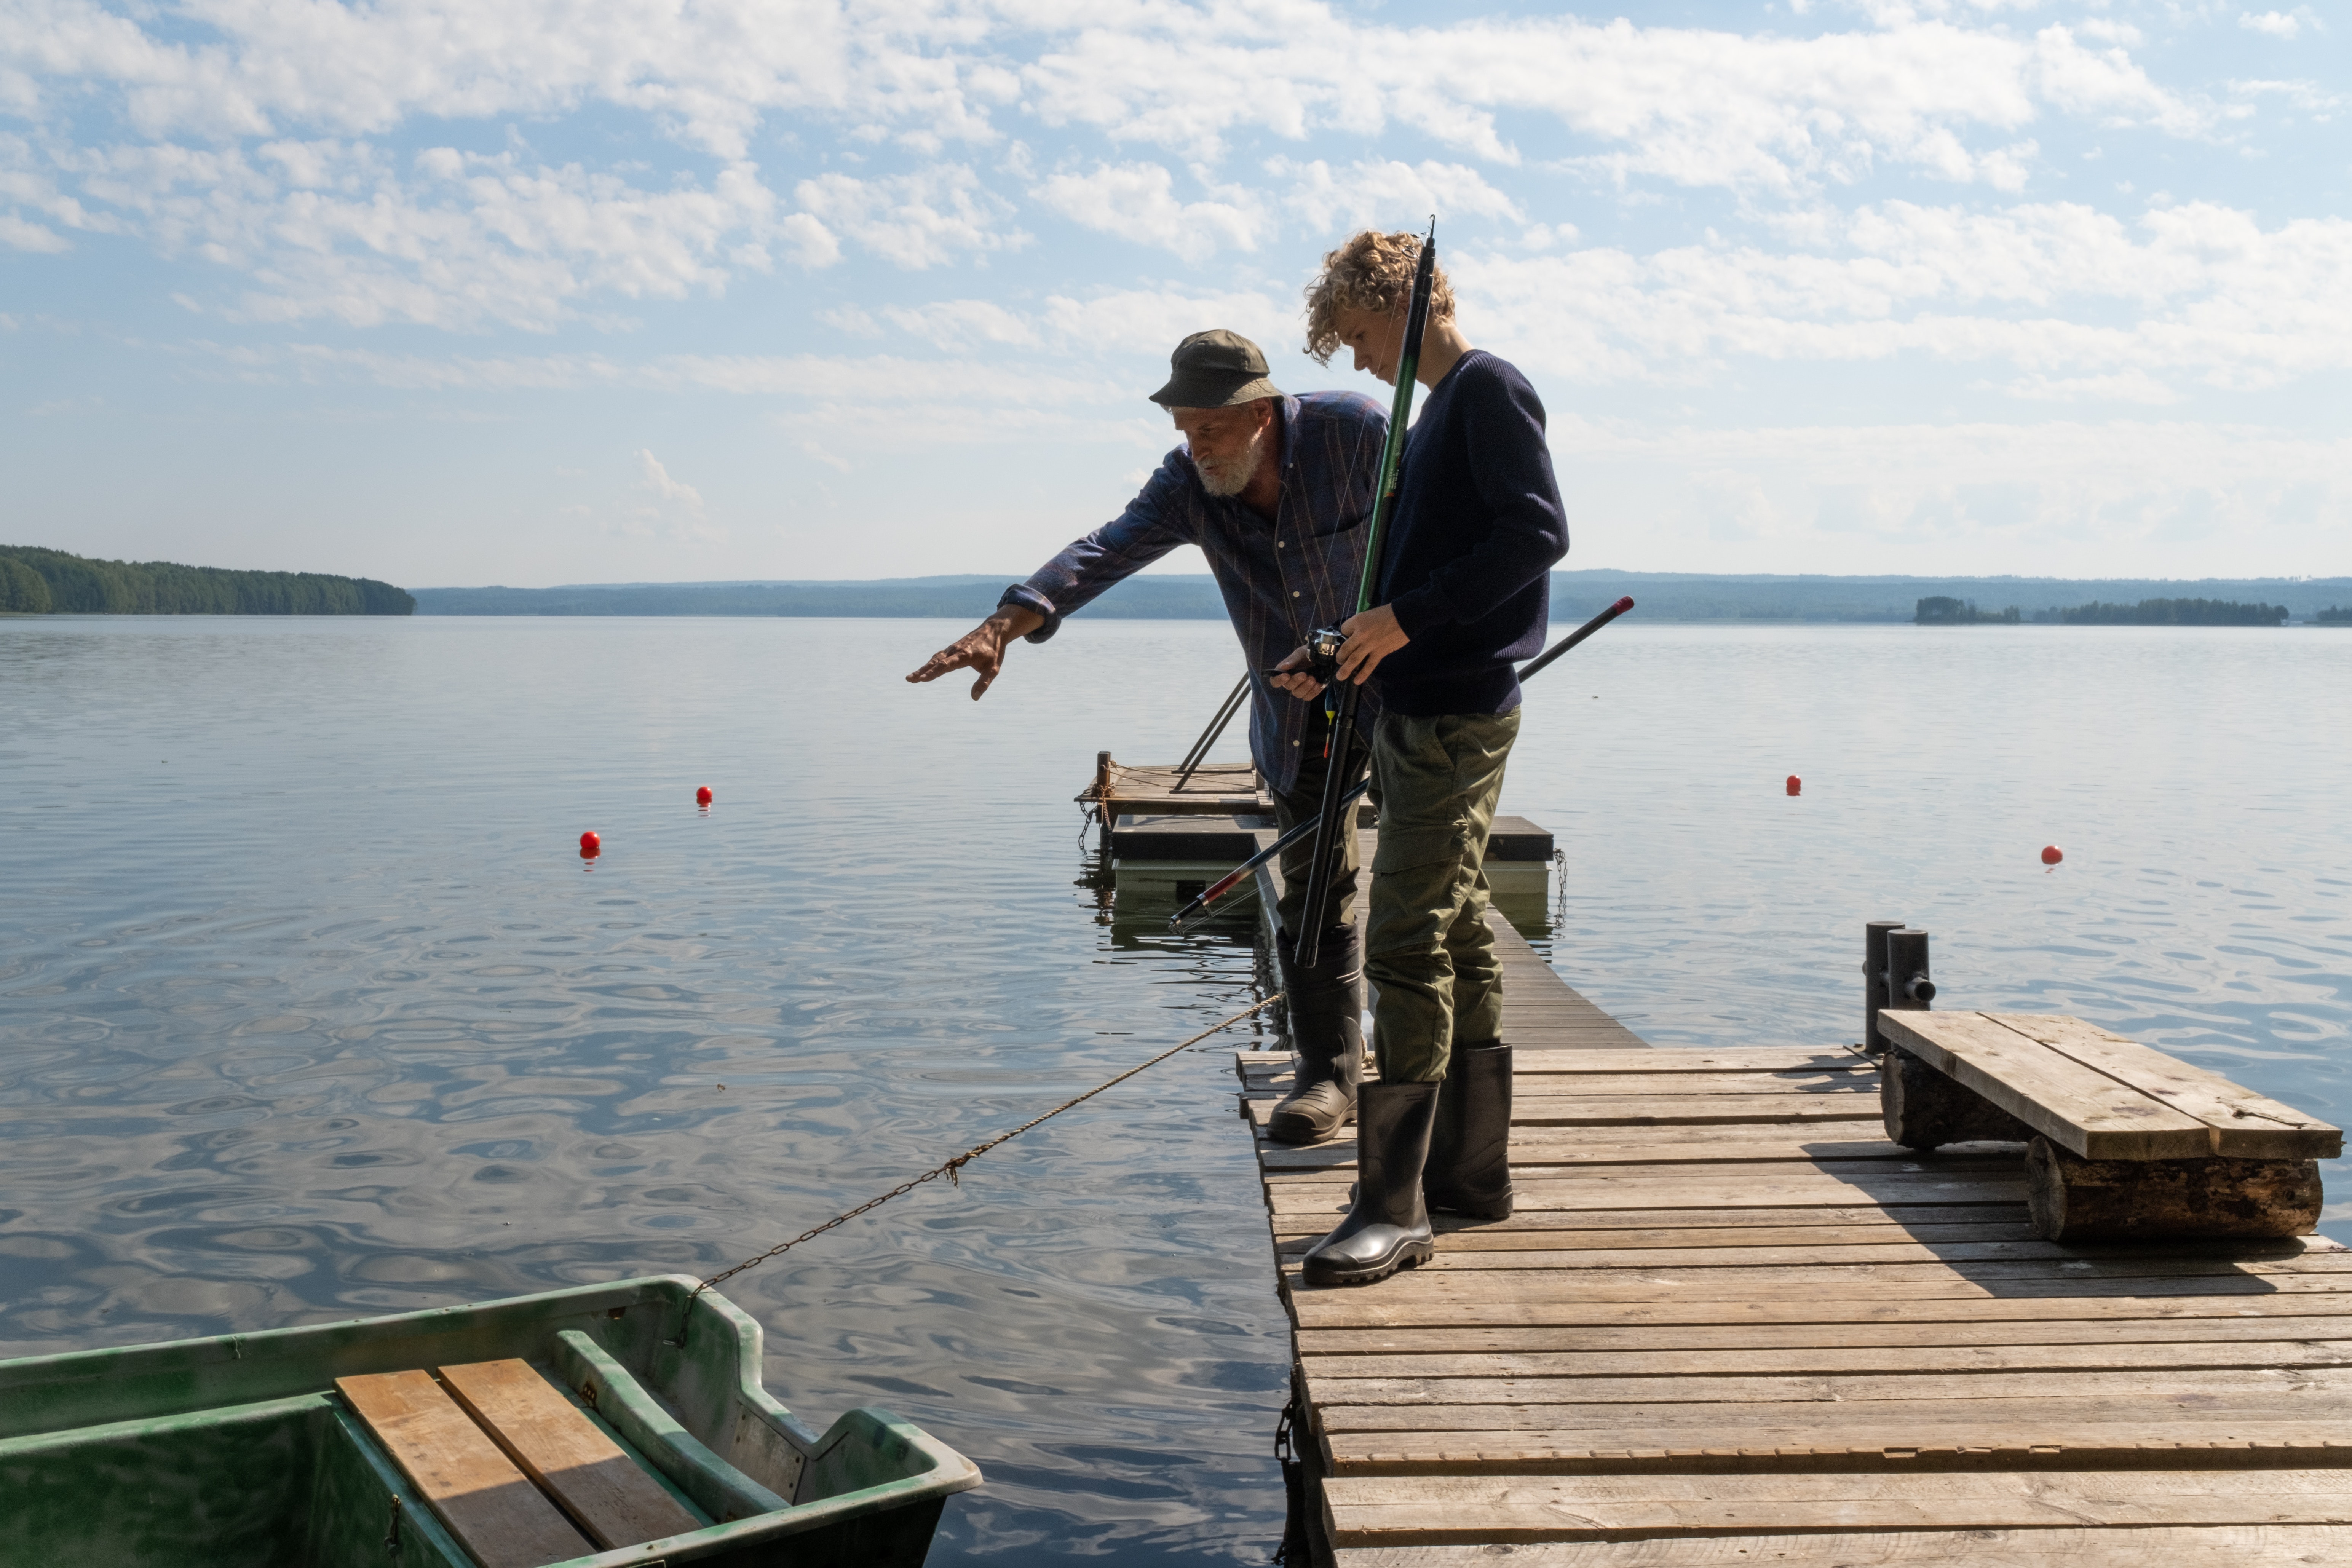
(1624, 604)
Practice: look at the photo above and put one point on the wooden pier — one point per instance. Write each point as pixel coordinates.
(1729, 1323)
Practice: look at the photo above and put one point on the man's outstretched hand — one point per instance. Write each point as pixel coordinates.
(981, 649)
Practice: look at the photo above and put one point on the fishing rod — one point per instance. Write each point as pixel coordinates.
(1216, 889)
(1340, 756)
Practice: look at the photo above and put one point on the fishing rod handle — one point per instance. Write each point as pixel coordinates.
(1225, 883)
(1536, 665)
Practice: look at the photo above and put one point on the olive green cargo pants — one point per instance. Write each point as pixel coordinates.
(1426, 945)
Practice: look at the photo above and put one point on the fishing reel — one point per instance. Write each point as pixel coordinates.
(1323, 653)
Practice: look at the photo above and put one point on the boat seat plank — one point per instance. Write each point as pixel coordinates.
(491, 1506)
(2076, 1107)
(2245, 1125)
(604, 1491)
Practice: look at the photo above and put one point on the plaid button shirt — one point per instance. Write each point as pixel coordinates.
(1280, 579)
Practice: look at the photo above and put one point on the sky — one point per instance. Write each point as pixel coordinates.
(456, 292)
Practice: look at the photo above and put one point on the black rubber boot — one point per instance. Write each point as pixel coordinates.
(1326, 1029)
(1469, 1170)
(1386, 1227)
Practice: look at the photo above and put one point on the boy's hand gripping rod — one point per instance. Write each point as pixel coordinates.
(1218, 889)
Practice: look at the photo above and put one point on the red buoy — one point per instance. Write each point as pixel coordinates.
(2052, 855)
(1796, 784)
(702, 796)
(589, 844)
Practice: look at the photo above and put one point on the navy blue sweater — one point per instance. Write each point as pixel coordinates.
(1467, 559)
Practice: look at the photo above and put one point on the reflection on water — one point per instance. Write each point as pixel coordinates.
(309, 1007)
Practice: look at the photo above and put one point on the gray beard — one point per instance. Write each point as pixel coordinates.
(1232, 476)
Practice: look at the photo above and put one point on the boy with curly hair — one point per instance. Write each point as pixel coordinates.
(1463, 596)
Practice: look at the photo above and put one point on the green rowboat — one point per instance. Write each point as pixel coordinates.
(242, 1448)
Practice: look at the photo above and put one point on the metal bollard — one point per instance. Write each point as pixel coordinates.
(1873, 982)
(1908, 989)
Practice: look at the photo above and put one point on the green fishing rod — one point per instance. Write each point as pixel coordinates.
(1325, 643)
(1217, 889)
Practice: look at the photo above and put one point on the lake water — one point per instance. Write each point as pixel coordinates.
(310, 1009)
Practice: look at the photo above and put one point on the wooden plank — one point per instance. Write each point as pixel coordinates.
(2334, 1384)
(1792, 1188)
(603, 1490)
(1460, 1295)
(1516, 1235)
(2245, 1125)
(1750, 1445)
(2218, 1546)
(1902, 1359)
(1633, 1111)
(489, 1505)
(1972, 1257)
(1685, 1058)
(2225, 1404)
(1435, 1510)
(2125, 1307)
(2072, 1105)
(1478, 1272)
(1423, 1339)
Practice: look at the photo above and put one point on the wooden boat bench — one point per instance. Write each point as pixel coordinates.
(2124, 1141)
(517, 1472)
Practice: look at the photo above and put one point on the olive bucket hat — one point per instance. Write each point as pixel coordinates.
(1215, 369)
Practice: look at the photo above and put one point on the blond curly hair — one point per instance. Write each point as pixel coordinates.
(1370, 271)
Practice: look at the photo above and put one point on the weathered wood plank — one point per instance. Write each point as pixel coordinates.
(489, 1505)
(2245, 1125)
(1906, 1360)
(603, 1490)
(2124, 1305)
(1971, 1259)
(1614, 1426)
(1784, 1187)
(1510, 1235)
(2076, 1106)
(1436, 1510)
(2220, 1546)
(1425, 1340)
(1527, 1393)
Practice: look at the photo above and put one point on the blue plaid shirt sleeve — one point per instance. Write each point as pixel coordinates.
(1161, 518)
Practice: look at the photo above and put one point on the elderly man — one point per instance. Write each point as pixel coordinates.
(1277, 492)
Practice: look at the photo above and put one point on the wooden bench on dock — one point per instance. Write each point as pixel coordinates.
(2125, 1141)
(519, 1476)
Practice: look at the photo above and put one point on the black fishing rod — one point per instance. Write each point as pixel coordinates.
(1325, 643)
(1216, 889)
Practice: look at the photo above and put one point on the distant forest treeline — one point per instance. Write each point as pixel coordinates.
(1938, 611)
(50, 582)
(1657, 597)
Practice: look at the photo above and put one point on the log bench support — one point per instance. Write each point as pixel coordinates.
(2070, 1198)
(2124, 1141)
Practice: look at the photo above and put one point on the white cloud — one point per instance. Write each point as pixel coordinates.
(337, 229)
(1689, 104)
(1138, 201)
(665, 508)
(2066, 294)
(2277, 24)
(940, 216)
(1117, 321)
(1375, 192)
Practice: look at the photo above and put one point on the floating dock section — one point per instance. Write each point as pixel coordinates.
(1730, 1323)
